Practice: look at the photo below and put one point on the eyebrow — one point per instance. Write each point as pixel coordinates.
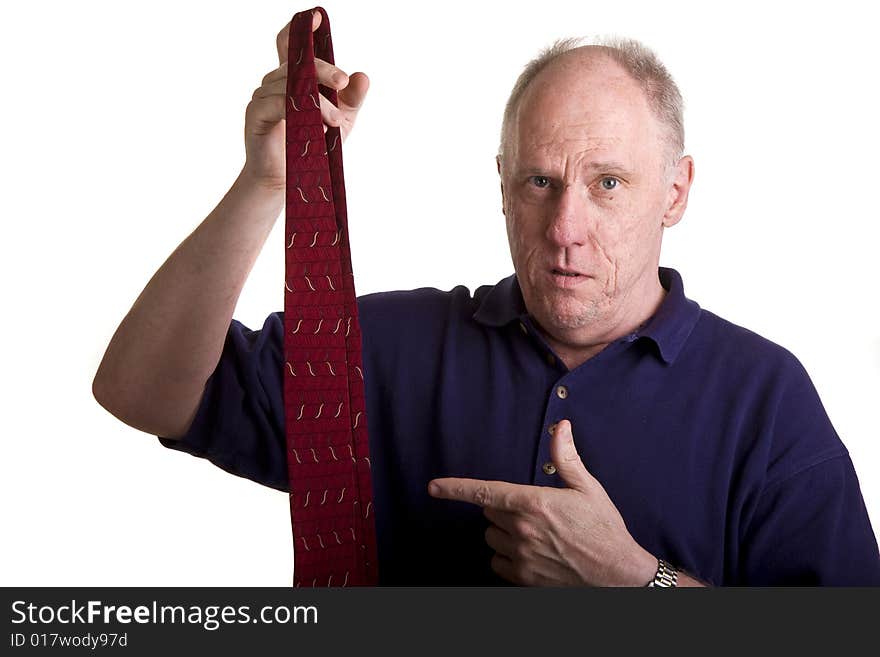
(609, 166)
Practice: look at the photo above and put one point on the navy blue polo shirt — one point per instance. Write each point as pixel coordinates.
(711, 440)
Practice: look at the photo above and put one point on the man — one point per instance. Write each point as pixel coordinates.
(579, 423)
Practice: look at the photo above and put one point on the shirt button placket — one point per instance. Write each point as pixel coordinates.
(549, 468)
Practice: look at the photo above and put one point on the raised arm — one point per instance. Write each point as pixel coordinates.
(154, 370)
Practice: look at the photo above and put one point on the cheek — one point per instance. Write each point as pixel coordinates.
(610, 224)
(637, 208)
(633, 233)
(521, 229)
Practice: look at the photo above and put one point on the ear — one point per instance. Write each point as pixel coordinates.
(680, 186)
(498, 164)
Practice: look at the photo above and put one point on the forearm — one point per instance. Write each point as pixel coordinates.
(688, 581)
(155, 367)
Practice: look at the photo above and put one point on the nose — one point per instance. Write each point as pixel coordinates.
(568, 219)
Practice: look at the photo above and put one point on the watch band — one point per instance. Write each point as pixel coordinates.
(665, 577)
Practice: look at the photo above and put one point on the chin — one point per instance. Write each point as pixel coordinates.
(562, 310)
(570, 314)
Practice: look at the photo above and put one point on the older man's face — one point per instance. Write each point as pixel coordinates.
(586, 196)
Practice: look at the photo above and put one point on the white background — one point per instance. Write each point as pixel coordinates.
(122, 127)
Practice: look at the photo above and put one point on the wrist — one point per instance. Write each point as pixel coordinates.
(245, 216)
(273, 187)
(644, 568)
(635, 567)
(665, 577)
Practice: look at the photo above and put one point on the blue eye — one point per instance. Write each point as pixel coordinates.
(541, 182)
(609, 184)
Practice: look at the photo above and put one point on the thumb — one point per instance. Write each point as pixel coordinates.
(566, 459)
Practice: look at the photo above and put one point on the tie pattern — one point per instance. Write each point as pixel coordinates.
(329, 465)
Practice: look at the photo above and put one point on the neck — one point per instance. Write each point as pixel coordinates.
(575, 352)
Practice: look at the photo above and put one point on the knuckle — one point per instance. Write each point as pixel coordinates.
(539, 505)
(531, 506)
(483, 495)
(279, 73)
(521, 527)
(521, 552)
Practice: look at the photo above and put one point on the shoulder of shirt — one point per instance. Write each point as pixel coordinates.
(419, 304)
(743, 346)
(400, 307)
(754, 367)
(775, 380)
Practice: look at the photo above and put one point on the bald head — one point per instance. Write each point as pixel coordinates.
(625, 56)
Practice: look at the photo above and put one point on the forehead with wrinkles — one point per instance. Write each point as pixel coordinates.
(585, 103)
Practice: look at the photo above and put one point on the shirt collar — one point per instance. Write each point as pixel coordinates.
(668, 328)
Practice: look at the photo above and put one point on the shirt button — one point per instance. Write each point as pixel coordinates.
(549, 468)
(562, 392)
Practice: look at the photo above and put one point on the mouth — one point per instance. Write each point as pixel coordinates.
(566, 277)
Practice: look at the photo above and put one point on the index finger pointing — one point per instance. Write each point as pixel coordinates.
(493, 494)
(282, 41)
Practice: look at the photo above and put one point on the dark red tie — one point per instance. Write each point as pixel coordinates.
(328, 452)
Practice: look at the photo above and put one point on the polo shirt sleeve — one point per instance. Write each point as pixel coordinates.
(809, 524)
(812, 529)
(239, 425)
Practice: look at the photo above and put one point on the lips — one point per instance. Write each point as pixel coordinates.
(566, 278)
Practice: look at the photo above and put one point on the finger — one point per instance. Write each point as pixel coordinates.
(504, 568)
(274, 81)
(282, 41)
(330, 75)
(496, 494)
(271, 89)
(279, 73)
(508, 521)
(352, 96)
(265, 113)
(521, 528)
(330, 115)
(567, 460)
(500, 541)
